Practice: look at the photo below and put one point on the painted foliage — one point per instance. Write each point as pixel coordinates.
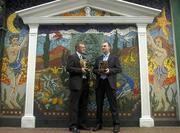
(55, 43)
(51, 92)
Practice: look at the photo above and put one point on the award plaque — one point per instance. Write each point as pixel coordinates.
(103, 65)
(83, 63)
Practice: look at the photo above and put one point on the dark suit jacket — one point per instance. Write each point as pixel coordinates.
(75, 72)
(114, 68)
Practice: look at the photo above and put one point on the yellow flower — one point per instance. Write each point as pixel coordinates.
(118, 84)
(55, 70)
(169, 64)
(23, 61)
(46, 94)
(152, 66)
(60, 101)
(4, 68)
(45, 100)
(54, 100)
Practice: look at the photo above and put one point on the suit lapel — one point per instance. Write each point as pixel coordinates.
(109, 58)
(101, 58)
(77, 57)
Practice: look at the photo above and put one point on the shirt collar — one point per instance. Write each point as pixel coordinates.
(79, 54)
(106, 55)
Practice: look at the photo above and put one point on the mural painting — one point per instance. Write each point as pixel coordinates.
(55, 43)
(1, 40)
(162, 73)
(51, 91)
(13, 76)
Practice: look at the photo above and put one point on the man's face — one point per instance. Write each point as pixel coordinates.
(81, 49)
(106, 48)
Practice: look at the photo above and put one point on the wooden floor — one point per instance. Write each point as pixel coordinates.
(104, 130)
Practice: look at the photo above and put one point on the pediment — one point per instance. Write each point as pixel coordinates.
(118, 7)
(56, 11)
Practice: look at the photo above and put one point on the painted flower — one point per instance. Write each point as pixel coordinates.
(54, 100)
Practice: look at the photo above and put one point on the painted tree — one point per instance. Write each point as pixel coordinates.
(2, 33)
(46, 51)
(115, 44)
(2, 25)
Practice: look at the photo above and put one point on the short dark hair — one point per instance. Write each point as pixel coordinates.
(77, 44)
(109, 44)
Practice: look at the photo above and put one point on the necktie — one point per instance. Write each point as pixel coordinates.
(105, 57)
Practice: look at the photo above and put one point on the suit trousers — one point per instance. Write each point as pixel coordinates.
(78, 101)
(104, 88)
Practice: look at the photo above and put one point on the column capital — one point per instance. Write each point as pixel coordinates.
(33, 28)
(33, 25)
(142, 28)
(141, 24)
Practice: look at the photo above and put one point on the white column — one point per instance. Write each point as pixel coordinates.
(28, 120)
(145, 120)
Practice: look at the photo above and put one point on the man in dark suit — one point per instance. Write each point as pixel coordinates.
(106, 67)
(79, 89)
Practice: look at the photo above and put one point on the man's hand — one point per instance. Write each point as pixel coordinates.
(83, 70)
(106, 71)
(87, 69)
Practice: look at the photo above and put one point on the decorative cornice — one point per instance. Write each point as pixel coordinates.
(88, 19)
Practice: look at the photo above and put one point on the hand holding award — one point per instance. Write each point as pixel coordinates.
(103, 66)
(84, 65)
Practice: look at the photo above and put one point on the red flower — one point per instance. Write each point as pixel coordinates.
(57, 35)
